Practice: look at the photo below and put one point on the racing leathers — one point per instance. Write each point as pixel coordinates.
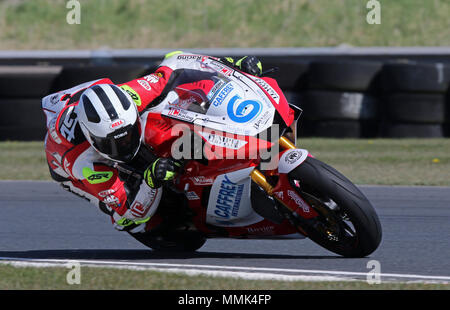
(80, 169)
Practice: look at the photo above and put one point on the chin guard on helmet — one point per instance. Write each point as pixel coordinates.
(120, 145)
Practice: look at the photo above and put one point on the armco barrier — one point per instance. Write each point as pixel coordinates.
(27, 81)
(344, 91)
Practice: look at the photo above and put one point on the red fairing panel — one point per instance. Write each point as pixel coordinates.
(278, 100)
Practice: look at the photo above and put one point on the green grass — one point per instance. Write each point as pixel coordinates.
(51, 278)
(23, 161)
(41, 24)
(364, 161)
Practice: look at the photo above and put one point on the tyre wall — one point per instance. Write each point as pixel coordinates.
(346, 94)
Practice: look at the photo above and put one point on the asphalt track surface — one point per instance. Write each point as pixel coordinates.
(41, 222)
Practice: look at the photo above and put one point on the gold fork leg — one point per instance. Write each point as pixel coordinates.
(259, 178)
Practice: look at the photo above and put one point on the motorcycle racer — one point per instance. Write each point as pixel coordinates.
(92, 126)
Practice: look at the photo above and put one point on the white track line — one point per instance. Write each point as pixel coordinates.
(229, 271)
(191, 272)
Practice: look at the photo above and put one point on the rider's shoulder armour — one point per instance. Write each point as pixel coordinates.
(62, 123)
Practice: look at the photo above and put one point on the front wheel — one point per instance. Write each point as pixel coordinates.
(347, 223)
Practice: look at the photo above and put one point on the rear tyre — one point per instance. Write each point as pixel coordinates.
(347, 223)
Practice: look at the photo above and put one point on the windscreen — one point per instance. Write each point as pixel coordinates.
(230, 102)
(197, 96)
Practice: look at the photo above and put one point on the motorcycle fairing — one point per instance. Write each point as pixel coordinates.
(208, 100)
(235, 102)
(229, 202)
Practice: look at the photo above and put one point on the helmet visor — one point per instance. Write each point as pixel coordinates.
(122, 144)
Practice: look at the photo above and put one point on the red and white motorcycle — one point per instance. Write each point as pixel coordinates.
(243, 176)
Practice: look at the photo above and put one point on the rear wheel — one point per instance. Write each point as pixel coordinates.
(347, 223)
(175, 233)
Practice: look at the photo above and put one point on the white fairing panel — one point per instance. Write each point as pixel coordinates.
(238, 105)
(229, 203)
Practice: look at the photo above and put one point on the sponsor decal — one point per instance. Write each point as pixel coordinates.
(106, 192)
(221, 68)
(293, 156)
(153, 78)
(266, 230)
(223, 141)
(228, 199)
(189, 57)
(54, 99)
(182, 103)
(229, 203)
(262, 121)
(226, 71)
(243, 113)
(174, 112)
(117, 124)
(187, 102)
(120, 135)
(145, 84)
(180, 114)
(298, 201)
(133, 94)
(291, 159)
(96, 177)
(201, 180)
(215, 89)
(111, 201)
(192, 196)
(220, 97)
(272, 93)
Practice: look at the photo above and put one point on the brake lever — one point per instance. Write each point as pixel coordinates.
(271, 70)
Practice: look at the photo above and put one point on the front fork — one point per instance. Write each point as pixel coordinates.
(297, 209)
(259, 178)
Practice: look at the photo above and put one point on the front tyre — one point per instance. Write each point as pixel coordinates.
(347, 223)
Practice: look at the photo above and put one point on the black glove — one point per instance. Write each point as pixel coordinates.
(248, 64)
(162, 169)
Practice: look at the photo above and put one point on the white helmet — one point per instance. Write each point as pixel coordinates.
(110, 121)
